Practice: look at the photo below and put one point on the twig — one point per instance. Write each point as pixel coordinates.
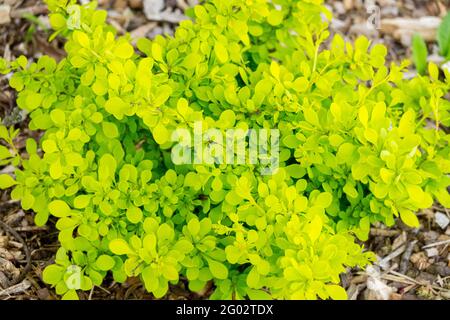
(394, 278)
(30, 229)
(25, 248)
(435, 244)
(17, 288)
(383, 233)
(105, 290)
(404, 278)
(406, 255)
(35, 10)
(383, 262)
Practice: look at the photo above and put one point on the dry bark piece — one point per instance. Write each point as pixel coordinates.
(354, 290)
(11, 2)
(403, 29)
(135, 4)
(154, 11)
(400, 240)
(5, 11)
(8, 268)
(153, 7)
(43, 294)
(3, 241)
(441, 220)
(17, 288)
(442, 270)
(420, 260)
(363, 29)
(348, 4)
(430, 236)
(4, 281)
(384, 263)
(432, 252)
(33, 10)
(142, 31)
(377, 289)
(406, 256)
(383, 232)
(396, 296)
(120, 5)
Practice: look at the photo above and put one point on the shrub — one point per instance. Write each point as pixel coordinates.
(359, 144)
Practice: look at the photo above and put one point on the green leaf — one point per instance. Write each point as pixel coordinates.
(107, 168)
(433, 71)
(41, 218)
(233, 254)
(57, 21)
(49, 146)
(52, 274)
(59, 208)
(407, 124)
(221, 52)
(253, 278)
(275, 17)
(314, 228)
(227, 119)
(300, 84)
(192, 60)
(33, 100)
(120, 247)
(336, 292)
(170, 272)
(193, 226)
(160, 134)
(124, 50)
(58, 117)
(4, 153)
(82, 201)
(258, 295)
(134, 214)
(443, 37)
(164, 93)
(110, 130)
(324, 199)
(218, 270)
(117, 107)
(157, 51)
(409, 218)
(81, 38)
(70, 295)
(420, 53)
(6, 181)
(105, 262)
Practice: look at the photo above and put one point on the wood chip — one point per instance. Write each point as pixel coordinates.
(384, 263)
(420, 260)
(441, 220)
(4, 281)
(16, 289)
(135, 4)
(5, 11)
(404, 28)
(432, 252)
(406, 256)
(383, 232)
(377, 289)
(348, 4)
(439, 243)
(142, 31)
